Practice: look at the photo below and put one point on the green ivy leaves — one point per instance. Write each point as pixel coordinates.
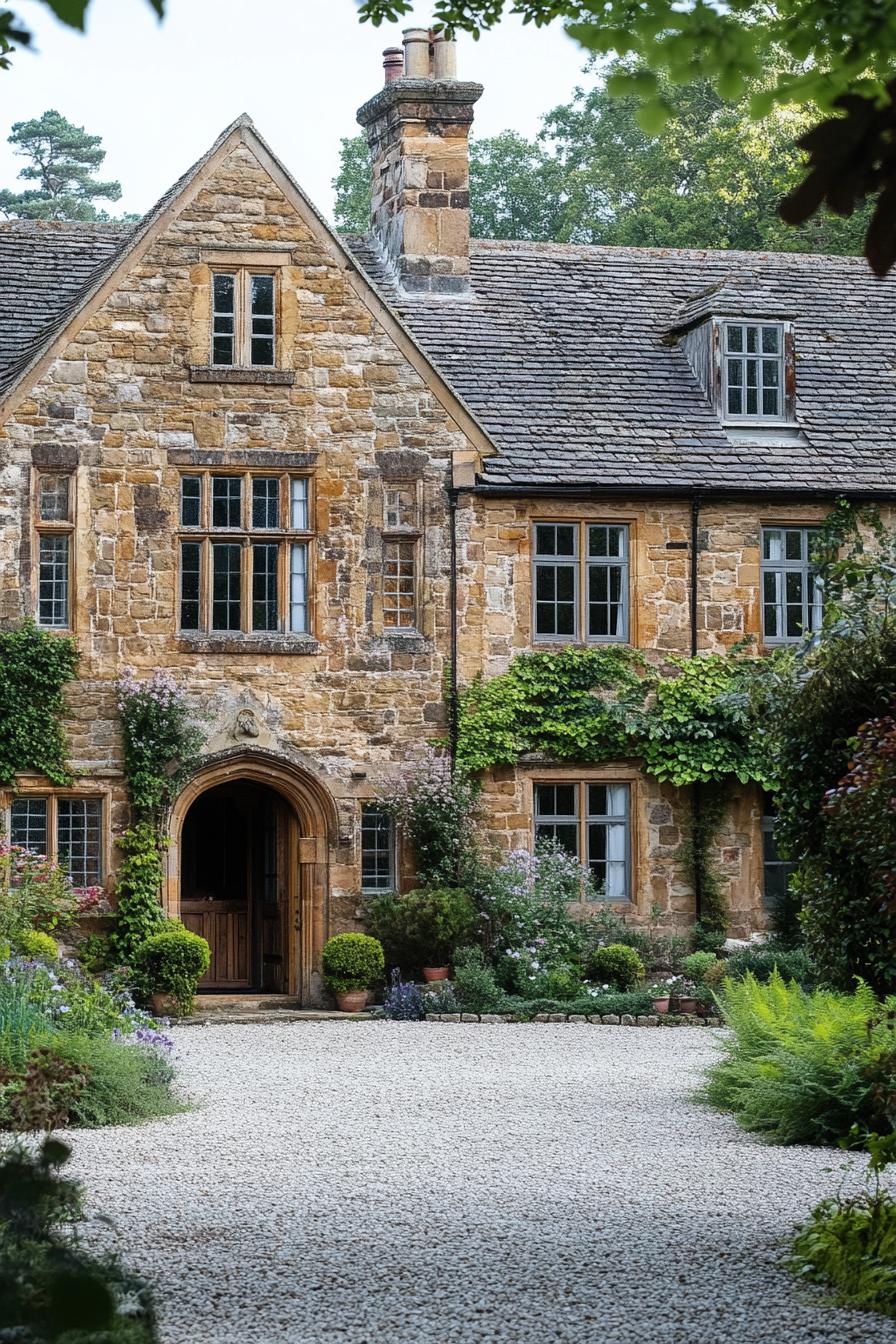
(35, 665)
(603, 704)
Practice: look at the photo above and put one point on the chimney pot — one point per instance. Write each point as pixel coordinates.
(416, 53)
(393, 64)
(444, 58)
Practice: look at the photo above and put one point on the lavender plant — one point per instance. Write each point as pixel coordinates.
(403, 1001)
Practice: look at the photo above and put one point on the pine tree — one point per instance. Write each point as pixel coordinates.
(62, 161)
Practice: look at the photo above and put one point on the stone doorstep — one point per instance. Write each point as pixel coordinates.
(257, 1016)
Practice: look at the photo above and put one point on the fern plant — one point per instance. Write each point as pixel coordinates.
(799, 1067)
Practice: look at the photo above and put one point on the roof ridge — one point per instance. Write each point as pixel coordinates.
(769, 255)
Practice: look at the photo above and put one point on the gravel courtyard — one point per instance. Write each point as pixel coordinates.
(385, 1182)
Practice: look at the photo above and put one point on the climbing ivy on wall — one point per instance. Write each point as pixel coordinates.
(590, 705)
(689, 726)
(35, 665)
(161, 744)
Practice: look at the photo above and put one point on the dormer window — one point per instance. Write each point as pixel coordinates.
(753, 370)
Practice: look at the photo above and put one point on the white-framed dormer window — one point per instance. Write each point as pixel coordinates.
(244, 318)
(754, 359)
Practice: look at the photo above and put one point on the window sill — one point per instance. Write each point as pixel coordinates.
(780, 434)
(274, 643)
(220, 373)
(409, 641)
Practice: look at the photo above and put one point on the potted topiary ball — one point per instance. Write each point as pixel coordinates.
(168, 967)
(352, 963)
(616, 964)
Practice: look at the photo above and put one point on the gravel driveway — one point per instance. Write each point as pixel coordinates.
(383, 1183)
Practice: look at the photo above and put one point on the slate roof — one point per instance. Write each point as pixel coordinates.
(563, 353)
(45, 268)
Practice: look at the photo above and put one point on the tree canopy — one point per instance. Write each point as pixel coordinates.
(62, 161)
(710, 178)
(73, 13)
(842, 56)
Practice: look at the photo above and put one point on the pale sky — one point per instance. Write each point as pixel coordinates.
(159, 94)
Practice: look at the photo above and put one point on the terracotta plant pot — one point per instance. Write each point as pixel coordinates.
(687, 1005)
(431, 973)
(660, 1005)
(165, 1005)
(352, 1000)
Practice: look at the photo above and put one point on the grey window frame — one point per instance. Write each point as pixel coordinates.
(812, 596)
(582, 564)
(244, 319)
(782, 359)
(583, 819)
(52, 803)
(293, 504)
(369, 808)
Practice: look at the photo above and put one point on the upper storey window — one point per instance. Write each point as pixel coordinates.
(753, 370)
(245, 543)
(243, 319)
(792, 593)
(581, 582)
(401, 544)
(54, 550)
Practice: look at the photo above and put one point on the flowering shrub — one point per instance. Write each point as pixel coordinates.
(35, 893)
(524, 912)
(59, 1026)
(161, 741)
(434, 810)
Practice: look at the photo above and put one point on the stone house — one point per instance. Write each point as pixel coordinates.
(310, 475)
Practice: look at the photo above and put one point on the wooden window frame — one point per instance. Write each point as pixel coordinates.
(54, 527)
(247, 536)
(581, 783)
(52, 801)
(582, 564)
(409, 534)
(242, 315)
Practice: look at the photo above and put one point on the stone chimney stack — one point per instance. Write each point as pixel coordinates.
(417, 128)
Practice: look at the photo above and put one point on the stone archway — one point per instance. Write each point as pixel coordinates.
(306, 853)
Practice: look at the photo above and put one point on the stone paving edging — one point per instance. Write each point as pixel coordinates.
(596, 1019)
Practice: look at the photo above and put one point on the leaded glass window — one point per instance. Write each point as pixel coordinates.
(244, 552)
(377, 849)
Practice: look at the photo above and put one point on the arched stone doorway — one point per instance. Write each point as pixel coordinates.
(248, 869)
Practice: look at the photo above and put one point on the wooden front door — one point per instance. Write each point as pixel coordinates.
(234, 885)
